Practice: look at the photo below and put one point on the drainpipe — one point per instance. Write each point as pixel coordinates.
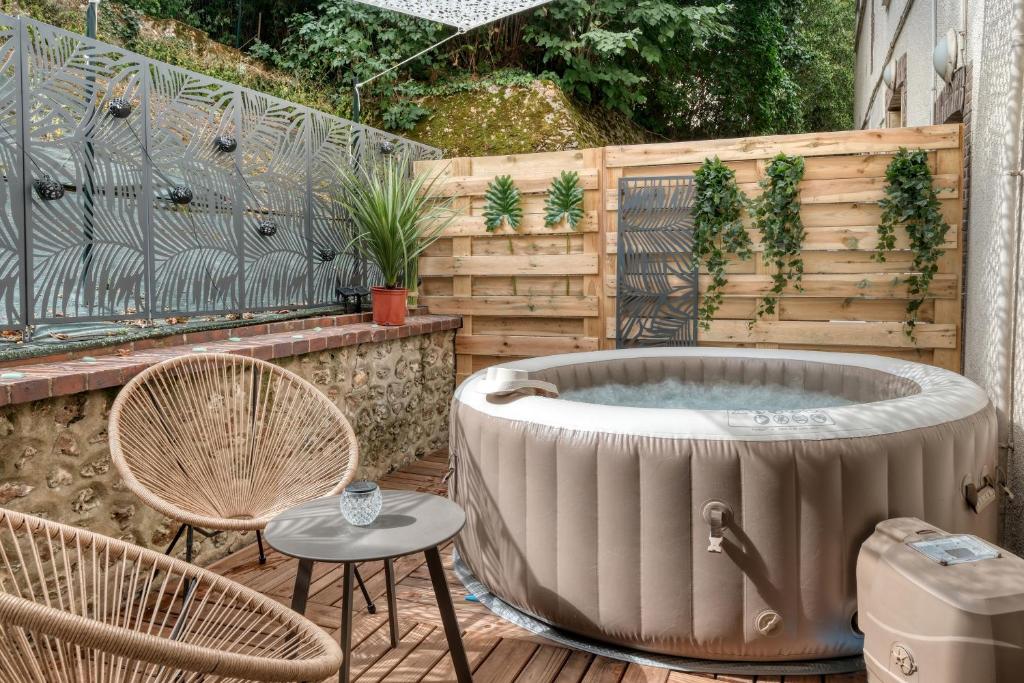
(1013, 190)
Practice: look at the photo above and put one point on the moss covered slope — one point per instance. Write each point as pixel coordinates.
(517, 119)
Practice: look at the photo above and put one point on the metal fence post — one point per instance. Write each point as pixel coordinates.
(22, 217)
(307, 225)
(238, 205)
(146, 198)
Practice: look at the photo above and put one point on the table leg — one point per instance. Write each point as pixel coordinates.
(301, 591)
(389, 578)
(448, 618)
(346, 623)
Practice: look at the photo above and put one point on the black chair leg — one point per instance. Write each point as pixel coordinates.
(177, 537)
(370, 607)
(188, 545)
(259, 543)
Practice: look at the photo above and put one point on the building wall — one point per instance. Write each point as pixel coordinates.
(992, 348)
(902, 27)
(993, 266)
(55, 462)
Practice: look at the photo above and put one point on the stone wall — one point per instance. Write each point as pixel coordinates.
(55, 463)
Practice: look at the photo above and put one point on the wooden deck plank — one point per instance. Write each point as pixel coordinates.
(387, 663)
(575, 668)
(545, 664)
(604, 670)
(478, 647)
(645, 674)
(498, 651)
(422, 659)
(506, 661)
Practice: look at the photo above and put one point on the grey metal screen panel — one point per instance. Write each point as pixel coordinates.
(335, 263)
(86, 251)
(196, 247)
(263, 230)
(273, 165)
(12, 190)
(657, 277)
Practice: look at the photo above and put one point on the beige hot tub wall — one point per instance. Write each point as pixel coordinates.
(55, 463)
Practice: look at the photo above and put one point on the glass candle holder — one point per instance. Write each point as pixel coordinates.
(361, 502)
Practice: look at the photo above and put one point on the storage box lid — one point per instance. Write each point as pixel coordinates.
(974, 581)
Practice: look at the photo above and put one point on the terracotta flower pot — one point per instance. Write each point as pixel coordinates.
(389, 306)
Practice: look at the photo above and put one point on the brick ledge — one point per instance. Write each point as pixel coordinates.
(50, 379)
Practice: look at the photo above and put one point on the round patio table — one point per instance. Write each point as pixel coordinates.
(409, 522)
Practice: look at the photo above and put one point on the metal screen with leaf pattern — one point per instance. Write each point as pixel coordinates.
(126, 138)
(657, 276)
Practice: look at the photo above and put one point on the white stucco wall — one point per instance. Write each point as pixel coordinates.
(915, 38)
(992, 268)
(992, 252)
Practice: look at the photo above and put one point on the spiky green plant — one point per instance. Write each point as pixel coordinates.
(397, 216)
(565, 201)
(503, 204)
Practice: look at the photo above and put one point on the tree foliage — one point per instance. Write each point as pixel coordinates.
(684, 69)
(615, 52)
(824, 70)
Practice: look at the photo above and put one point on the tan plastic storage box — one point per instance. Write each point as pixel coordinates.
(938, 607)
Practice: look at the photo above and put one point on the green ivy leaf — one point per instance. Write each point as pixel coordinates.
(718, 230)
(911, 201)
(777, 217)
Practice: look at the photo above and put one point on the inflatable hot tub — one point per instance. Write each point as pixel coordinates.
(727, 534)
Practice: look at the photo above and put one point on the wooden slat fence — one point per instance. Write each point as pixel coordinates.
(542, 290)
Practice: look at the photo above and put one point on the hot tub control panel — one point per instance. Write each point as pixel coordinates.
(780, 419)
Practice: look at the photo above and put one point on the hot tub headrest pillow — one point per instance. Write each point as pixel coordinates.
(505, 381)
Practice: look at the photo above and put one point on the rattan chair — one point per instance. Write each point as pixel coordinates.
(81, 607)
(220, 442)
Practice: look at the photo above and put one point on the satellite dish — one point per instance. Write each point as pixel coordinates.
(946, 56)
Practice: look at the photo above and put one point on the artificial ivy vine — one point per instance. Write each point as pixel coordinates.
(503, 203)
(565, 201)
(777, 217)
(718, 229)
(911, 201)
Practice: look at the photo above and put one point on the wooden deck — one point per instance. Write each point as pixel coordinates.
(498, 651)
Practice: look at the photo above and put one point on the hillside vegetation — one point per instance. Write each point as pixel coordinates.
(571, 74)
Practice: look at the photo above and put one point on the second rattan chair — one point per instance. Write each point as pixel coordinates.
(78, 606)
(220, 442)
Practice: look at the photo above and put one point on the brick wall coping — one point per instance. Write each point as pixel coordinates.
(36, 381)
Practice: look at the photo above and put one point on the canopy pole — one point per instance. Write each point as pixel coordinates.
(356, 85)
(409, 59)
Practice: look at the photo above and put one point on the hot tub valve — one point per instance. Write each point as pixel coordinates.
(716, 514)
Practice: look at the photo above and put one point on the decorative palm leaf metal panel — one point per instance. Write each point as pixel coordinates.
(159, 217)
(657, 275)
(86, 251)
(12, 194)
(196, 247)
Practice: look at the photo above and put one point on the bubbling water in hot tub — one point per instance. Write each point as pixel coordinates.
(677, 394)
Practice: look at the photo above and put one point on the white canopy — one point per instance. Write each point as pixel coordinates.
(462, 14)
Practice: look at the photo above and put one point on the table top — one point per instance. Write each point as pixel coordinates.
(409, 522)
